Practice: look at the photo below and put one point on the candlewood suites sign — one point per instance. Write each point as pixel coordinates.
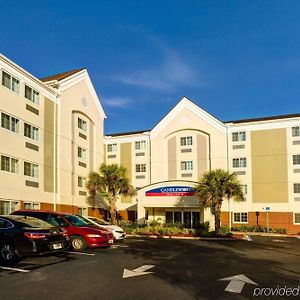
(172, 191)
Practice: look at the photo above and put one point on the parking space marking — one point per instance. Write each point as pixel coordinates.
(81, 253)
(15, 269)
(118, 246)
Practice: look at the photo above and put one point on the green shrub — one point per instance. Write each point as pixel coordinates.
(254, 228)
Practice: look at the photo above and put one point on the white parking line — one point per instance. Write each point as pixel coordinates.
(81, 253)
(15, 269)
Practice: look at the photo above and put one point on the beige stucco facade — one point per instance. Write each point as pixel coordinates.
(260, 151)
(48, 147)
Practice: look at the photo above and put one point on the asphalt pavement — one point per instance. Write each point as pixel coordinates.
(161, 269)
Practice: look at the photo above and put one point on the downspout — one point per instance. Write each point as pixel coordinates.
(227, 162)
(55, 154)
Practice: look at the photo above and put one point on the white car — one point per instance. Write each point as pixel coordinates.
(117, 231)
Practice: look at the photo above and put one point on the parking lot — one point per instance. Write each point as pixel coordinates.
(158, 269)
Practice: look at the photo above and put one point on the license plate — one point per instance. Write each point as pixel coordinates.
(57, 246)
(111, 241)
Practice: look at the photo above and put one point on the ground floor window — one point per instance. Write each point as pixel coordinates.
(190, 219)
(6, 207)
(240, 217)
(83, 211)
(31, 205)
(297, 218)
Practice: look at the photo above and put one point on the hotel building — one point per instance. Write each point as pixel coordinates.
(51, 137)
(166, 162)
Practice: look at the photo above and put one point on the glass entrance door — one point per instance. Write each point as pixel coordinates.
(187, 219)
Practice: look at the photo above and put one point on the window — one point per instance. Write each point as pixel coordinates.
(296, 131)
(31, 132)
(31, 205)
(32, 95)
(112, 148)
(9, 123)
(239, 162)
(83, 211)
(296, 188)
(240, 217)
(239, 136)
(82, 153)
(82, 124)
(296, 159)
(10, 82)
(81, 181)
(187, 165)
(140, 145)
(9, 164)
(186, 141)
(297, 218)
(140, 168)
(245, 189)
(6, 207)
(31, 170)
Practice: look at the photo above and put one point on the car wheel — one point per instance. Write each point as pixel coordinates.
(78, 243)
(8, 254)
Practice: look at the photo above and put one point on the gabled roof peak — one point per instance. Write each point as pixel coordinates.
(61, 76)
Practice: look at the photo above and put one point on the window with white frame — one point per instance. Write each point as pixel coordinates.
(9, 164)
(82, 124)
(82, 153)
(32, 205)
(297, 218)
(186, 141)
(31, 132)
(239, 136)
(296, 159)
(10, 82)
(81, 181)
(10, 123)
(140, 168)
(239, 162)
(240, 217)
(31, 170)
(112, 148)
(186, 165)
(6, 207)
(296, 131)
(83, 211)
(32, 95)
(140, 145)
(244, 189)
(296, 188)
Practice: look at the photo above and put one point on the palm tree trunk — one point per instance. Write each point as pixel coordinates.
(217, 219)
(113, 212)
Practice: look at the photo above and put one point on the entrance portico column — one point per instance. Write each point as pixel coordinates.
(141, 212)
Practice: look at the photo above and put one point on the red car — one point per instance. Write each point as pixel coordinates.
(81, 233)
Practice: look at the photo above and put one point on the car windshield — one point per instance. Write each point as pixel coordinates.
(25, 221)
(99, 221)
(77, 220)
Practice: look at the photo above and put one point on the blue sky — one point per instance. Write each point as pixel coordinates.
(235, 59)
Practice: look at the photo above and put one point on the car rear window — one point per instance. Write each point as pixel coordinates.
(25, 221)
(77, 221)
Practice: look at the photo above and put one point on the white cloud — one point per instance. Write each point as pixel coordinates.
(120, 102)
(168, 74)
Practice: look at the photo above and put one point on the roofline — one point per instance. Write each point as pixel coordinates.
(26, 73)
(51, 78)
(126, 133)
(278, 117)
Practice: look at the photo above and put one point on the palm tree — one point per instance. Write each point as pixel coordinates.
(216, 185)
(109, 183)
